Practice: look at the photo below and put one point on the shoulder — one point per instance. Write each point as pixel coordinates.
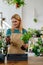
(8, 29)
(8, 32)
(24, 30)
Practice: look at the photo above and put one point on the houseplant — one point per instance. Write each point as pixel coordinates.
(37, 33)
(37, 48)
(27, 36)
(35, 20)
(18, 3)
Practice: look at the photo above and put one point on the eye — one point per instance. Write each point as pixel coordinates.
(15, 21)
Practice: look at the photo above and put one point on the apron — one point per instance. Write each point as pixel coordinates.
(16, 43)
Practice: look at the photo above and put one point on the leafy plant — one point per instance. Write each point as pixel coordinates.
(35, 20)
(38, 47)
(30, 30)
(41, 49)
(0, 43)
(36, 50)
(40, 42)
(37, 33)
(29, 34)
(17, 2)
(26, 37)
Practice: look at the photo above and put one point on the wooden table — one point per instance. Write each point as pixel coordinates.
(16, 63)
(35, 61)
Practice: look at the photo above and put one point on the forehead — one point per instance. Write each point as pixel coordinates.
(13, 19)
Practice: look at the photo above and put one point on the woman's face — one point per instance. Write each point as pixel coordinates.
(15, 23)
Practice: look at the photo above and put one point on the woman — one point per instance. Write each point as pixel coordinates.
(16, 31)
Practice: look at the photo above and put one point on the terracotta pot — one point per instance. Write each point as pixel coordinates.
(17, 5)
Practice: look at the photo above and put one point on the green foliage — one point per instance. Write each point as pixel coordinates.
(35, 20)
(38, 47)
(40, 42)
(36, 50)
(34, 32)
(19, 2)
(37, 32)
(30, 30)
(29, 34)
(26, 37)
(1, 43)
(41, 49)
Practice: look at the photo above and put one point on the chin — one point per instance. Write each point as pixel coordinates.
(16, 26)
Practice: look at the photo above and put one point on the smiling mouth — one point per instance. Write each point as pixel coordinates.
(15, 24)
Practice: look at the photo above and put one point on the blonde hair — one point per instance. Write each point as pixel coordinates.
(17, 17)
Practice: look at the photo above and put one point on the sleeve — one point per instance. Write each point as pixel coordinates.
(24, 31)
(8, 33)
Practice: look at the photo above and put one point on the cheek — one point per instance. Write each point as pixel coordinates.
(17, 23)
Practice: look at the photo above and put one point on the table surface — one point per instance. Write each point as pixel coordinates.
(16, 63)
(35, 60)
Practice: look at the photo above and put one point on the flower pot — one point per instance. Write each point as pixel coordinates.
(17, 5)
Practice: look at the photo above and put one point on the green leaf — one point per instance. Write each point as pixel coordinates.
(39, 41)
(41, 50)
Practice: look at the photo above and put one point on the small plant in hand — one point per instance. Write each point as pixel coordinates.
(26, 37)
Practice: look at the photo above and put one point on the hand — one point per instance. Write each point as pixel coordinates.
(26, 45)
(7, 38)
(23, 48)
